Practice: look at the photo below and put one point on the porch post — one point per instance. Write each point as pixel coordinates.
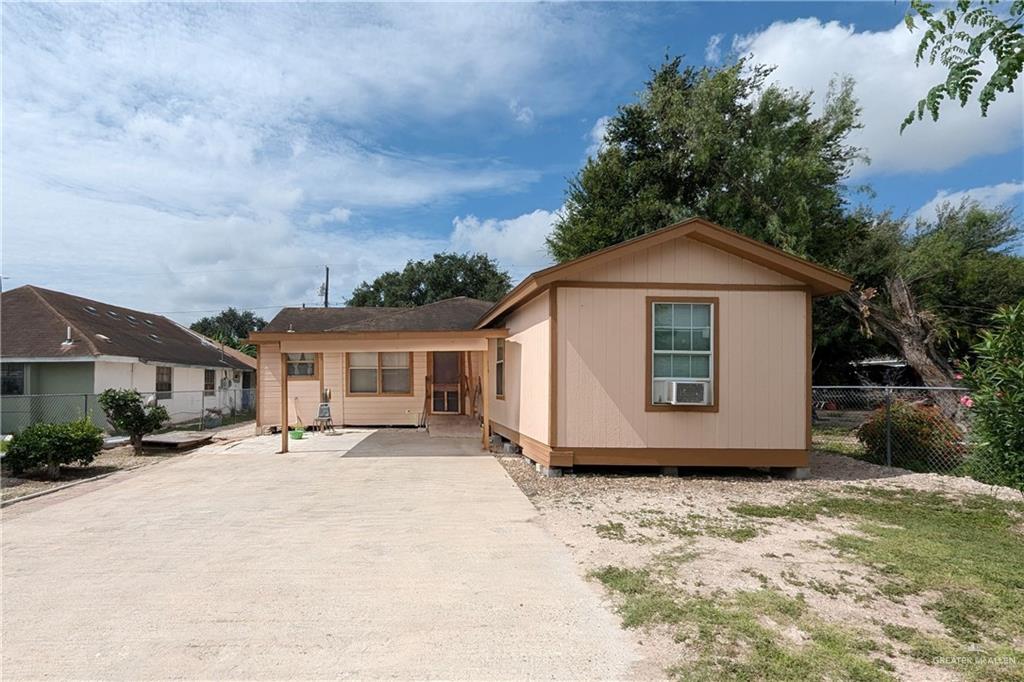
(284, 403)
(485, 394)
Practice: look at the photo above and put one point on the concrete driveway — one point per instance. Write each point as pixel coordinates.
(342, 559)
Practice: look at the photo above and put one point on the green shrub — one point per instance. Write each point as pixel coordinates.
(127, 413)
(996, 400)
(923, 438)
(52, 445)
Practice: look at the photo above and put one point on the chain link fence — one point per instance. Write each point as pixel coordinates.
(923, 429)
(188, 410)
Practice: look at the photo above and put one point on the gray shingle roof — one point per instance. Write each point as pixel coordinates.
(34, 322)
(452, 314)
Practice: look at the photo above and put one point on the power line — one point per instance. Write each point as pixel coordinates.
(163, 273)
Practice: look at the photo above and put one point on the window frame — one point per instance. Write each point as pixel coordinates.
(716, 358)
(169, 392)
(210, 374)
(500, 351)
(315, 376)
(380, 378)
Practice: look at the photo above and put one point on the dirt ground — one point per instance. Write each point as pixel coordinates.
(644, 521)
(107, 462)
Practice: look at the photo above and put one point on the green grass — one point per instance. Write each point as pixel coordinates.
(732, 639)
(964, 555)
(612, 530)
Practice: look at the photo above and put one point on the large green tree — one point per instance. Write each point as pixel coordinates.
(230, 327)
(446, 275)
(927, 288)
(962, 36)
(722, 144)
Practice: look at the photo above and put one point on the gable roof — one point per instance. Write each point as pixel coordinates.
(820, 280)
(34, 323)
(451, 314)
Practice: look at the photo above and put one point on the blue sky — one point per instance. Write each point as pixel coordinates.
(188, 157)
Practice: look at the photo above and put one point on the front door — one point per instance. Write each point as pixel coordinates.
(447, 378)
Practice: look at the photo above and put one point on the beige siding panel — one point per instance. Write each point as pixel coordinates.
(602, 372)
(269, 384)
(334, 372)
(683, 260)
(390, 410)
(525, 408)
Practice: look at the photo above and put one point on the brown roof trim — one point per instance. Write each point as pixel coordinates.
(275, 337)
(820, 280)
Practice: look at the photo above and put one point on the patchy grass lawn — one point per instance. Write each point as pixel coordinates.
(847, 576)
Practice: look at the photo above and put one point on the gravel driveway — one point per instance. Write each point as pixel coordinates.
(235, 562)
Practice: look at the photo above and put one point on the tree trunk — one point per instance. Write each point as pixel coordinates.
(52, 468)
(910, 329)
(136, 440)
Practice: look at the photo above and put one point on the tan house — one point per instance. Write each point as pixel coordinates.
(688, 346)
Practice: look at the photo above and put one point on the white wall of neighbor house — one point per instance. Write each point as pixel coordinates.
(187, 384)
(525, 406)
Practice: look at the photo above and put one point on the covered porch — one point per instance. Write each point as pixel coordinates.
(375, 379)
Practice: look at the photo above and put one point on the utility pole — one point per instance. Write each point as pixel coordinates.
(327, 283)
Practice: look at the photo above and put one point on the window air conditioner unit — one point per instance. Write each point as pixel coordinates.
(689, 393)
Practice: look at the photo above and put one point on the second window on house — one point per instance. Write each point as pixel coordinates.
(379, 373)
(302, 365)
(209, 381)
(499, 369)
(164, 382)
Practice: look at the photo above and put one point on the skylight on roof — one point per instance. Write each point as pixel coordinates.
(155, 337)
(103, 337)
(149, 322)
(112, 313)
(90, 309)
(131, 318)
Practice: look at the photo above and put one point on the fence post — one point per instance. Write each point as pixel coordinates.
(888, 426)
(85, 406)
(202, 409)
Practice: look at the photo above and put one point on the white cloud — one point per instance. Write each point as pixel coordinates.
(809, 53)
(989, 196)
(596, 136)
(516, 243)
(523, 115)
(226, 142)
(335, 215)
(713, 50)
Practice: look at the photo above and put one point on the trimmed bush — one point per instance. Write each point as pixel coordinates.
(51, 445)
(127, 413)
(923, 438)
(996, 400)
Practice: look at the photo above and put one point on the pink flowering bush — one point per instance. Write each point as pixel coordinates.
(996, 381)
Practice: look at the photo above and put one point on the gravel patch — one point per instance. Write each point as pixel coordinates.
(684, 525)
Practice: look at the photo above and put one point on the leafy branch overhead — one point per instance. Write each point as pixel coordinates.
(960, 38)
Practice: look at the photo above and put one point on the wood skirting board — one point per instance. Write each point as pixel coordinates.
(693, 457)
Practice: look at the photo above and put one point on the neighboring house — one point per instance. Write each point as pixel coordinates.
(688, 346)
(56, 344)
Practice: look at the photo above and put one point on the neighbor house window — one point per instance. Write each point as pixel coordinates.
(379, 373)
(499, 369)
(209, 381)
(302, 365)
(164, 382)
(681, 347)
(12, 379)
